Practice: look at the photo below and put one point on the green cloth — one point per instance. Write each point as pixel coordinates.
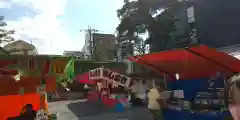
(69, 69)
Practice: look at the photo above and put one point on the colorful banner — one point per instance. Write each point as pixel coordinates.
(110, 76)
(69, 69)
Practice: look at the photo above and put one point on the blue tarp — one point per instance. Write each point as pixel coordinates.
(169, 114)
(191, 87)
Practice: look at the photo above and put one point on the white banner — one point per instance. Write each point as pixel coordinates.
(106, 74)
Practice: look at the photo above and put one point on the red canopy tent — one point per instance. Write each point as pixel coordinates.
(84, 78)
(194, 62)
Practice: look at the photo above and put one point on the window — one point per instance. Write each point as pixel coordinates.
(59, 69)
(31, 64)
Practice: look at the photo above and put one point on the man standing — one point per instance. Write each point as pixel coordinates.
(153, 105)
(29, 113)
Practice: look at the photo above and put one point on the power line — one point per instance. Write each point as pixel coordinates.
(90, 31)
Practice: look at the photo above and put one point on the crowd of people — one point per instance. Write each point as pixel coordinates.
(139, 93)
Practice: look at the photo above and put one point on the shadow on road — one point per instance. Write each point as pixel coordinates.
(87, 108)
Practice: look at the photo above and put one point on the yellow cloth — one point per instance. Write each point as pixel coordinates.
(44, 102)
(153, 95)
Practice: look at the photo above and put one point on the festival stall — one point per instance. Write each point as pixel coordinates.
(111, 87)
(195, 80)
(26, 80)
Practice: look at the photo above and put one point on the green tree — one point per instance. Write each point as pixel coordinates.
(5, 35)
(153, 16)
(139, 46)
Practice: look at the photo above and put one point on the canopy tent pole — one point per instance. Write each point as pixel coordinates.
(155, 68)
(165, 81)
(209, 59)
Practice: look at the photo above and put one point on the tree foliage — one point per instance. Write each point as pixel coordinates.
(5, 35)
(153, 16)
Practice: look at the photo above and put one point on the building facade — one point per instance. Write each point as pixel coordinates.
(76, 54)
(183, 18)
(86, 50)
(217, 22)
(102, 47)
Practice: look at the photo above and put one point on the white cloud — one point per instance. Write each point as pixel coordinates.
(53, 7)
(4, 4)
(45, 29)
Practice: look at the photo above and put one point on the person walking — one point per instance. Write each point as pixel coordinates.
(28, 113)
(153, 104)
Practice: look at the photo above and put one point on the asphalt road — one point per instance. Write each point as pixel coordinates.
(84, 110)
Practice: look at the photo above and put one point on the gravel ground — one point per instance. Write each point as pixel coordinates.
(84, 110)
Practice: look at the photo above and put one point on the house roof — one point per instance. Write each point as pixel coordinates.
(2, 50)
(19, 44)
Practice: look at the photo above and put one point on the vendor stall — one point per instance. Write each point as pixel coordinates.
(196, 80)
(110, 87)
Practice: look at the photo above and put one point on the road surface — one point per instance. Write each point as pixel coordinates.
(83, 110)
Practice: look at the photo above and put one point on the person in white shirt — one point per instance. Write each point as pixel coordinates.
(153, 104)
(139, 89)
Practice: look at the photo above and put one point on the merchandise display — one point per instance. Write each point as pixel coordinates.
(207, 95)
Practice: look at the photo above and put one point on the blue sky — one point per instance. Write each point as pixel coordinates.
(53, 25)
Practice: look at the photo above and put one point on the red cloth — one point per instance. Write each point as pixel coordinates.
(8, 71)
(195, 62)
(93, 96)
(46, 68)
(84, 78)
(11, 105)
(108, 101)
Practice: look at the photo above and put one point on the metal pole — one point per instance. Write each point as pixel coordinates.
(90, 31)
(91, 42)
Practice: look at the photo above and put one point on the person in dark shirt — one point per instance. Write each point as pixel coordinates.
(29, 113)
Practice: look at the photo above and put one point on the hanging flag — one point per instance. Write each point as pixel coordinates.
(69, 69)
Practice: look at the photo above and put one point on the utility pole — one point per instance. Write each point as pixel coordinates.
(90, 31)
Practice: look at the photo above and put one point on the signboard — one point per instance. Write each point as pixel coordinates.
(95, 74)
(58, 66)
(106, 74)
